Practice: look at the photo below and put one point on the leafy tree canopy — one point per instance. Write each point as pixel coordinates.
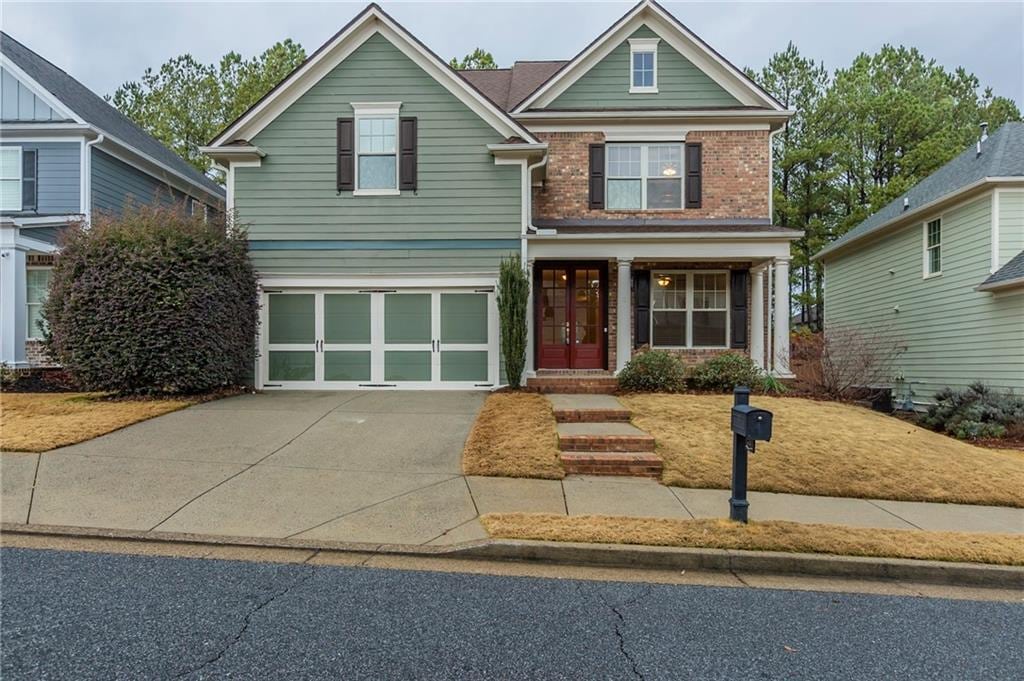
(185, 103)
(477, 59)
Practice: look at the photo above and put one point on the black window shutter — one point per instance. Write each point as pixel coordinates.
(407, 153)
(642, 303)
(29, 165)
(346, 154)
(739, 283)
(693, 174)
(596, 176)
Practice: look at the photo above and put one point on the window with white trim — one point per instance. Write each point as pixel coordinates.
(933, 247)
(644, 177)
(643, 65)
(377, 153)
(10, 178)
(689, 309)
(37, 284)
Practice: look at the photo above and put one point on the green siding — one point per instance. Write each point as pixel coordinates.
(680, 83)
(953, 334)
(462, 193)
(1011, 224)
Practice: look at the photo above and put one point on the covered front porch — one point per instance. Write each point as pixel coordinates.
(27, 250)
(596, 301)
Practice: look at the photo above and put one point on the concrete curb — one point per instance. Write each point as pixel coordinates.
(603, 555)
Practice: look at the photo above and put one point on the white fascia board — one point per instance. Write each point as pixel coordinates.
(672, 32)
(636, 115)
(46, 220)
(910, 215)
(1000, 285)
(514, 153)
(373, 21)
(39, 91)
(46, 132)
(787, 235)
(233, 153)
(149, 165)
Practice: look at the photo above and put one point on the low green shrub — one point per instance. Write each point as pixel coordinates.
(654, 371)
(153, 301)
(730, 369)
(974, 413)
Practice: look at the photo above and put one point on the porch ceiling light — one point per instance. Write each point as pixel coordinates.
(668, 171)
(664, 281)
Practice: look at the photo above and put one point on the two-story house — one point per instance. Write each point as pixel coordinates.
(938, 273)
(66, 156)
(381, 189)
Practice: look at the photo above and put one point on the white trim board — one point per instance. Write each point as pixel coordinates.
(371, 21)
(38, 90)
(676, 35)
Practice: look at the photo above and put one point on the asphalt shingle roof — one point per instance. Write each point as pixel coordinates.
(508, 87)
(1013, 270)
(1002, 155)
(97, 112)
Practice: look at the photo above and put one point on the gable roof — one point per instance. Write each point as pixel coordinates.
(1010, 274)
(677, 35)
(86, 105)
(508, 87)
(1002, 156)
(370, 21)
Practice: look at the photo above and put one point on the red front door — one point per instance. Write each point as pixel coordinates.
(570, 316)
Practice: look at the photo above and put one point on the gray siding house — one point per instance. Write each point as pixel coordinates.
(65, 156)
(940, 272)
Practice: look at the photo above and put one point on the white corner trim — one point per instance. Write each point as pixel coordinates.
(674, 34)
(39, 91)
(995, 231)
(370, 22)
(376, 108)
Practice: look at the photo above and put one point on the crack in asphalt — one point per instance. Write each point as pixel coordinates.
(621, 621)
(248, 619)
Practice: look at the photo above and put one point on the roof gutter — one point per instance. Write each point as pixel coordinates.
(1001, 285)
(924, 208)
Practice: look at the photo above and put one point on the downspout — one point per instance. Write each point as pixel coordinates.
(528, 221)
(87, 178)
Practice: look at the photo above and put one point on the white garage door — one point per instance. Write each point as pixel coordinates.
(401, 338)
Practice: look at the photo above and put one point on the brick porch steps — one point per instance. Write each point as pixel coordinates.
(574, 385)
(588, 409)
(637, 464)
(603, 437)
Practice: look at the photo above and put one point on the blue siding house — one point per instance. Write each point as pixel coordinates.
(66, 156)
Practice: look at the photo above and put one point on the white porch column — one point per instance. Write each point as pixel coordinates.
(623, 318)
(782, 314)
(757, 316)
(529, 369)
(13, 308)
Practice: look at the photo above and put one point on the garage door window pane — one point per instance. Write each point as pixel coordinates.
(347, 365)
(292, 365)
(347, 318)
(407, 365)
(464, 365)
(292, 318)
(463, 317)
(407, 318)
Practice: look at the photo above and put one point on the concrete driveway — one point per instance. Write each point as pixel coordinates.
(348, 466)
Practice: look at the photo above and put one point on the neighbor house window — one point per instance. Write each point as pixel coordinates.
(376, 149)
(37, 283)
(643, 65)
(10, 178)
(933, 247)
(689, 309)
(645, 176)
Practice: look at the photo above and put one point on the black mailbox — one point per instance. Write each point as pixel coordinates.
(751, 422)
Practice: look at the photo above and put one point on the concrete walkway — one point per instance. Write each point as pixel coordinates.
(376, 467)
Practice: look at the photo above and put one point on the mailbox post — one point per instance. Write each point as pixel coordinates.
(749, 424)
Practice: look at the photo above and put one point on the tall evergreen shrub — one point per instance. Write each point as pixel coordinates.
(513, 301)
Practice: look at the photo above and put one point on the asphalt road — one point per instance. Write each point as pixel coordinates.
(88, 615)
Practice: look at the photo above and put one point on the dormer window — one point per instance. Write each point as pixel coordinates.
(643, 65)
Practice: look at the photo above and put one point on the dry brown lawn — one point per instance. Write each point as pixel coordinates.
(997, 549)
(514, 436)
(37, 422)
(827, 448)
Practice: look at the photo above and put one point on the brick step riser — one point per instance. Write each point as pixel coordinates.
(573, 387)
(633, 471)
(592, 416)
(605, 443)
(641, 465)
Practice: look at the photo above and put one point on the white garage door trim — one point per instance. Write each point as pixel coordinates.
(444, 356)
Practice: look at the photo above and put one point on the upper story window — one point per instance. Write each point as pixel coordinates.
(376, 148)
(645, 177)
(10, 178)
(933, 247)
(643, 65)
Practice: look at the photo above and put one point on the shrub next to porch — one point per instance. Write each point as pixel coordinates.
(155, 301)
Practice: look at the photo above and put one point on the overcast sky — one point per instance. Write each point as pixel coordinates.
(106, 44)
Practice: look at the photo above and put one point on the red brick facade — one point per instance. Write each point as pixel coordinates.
(734, 168)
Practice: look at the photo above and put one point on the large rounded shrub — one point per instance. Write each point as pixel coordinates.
(653, 371)
(730, 369)
(155, 301)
